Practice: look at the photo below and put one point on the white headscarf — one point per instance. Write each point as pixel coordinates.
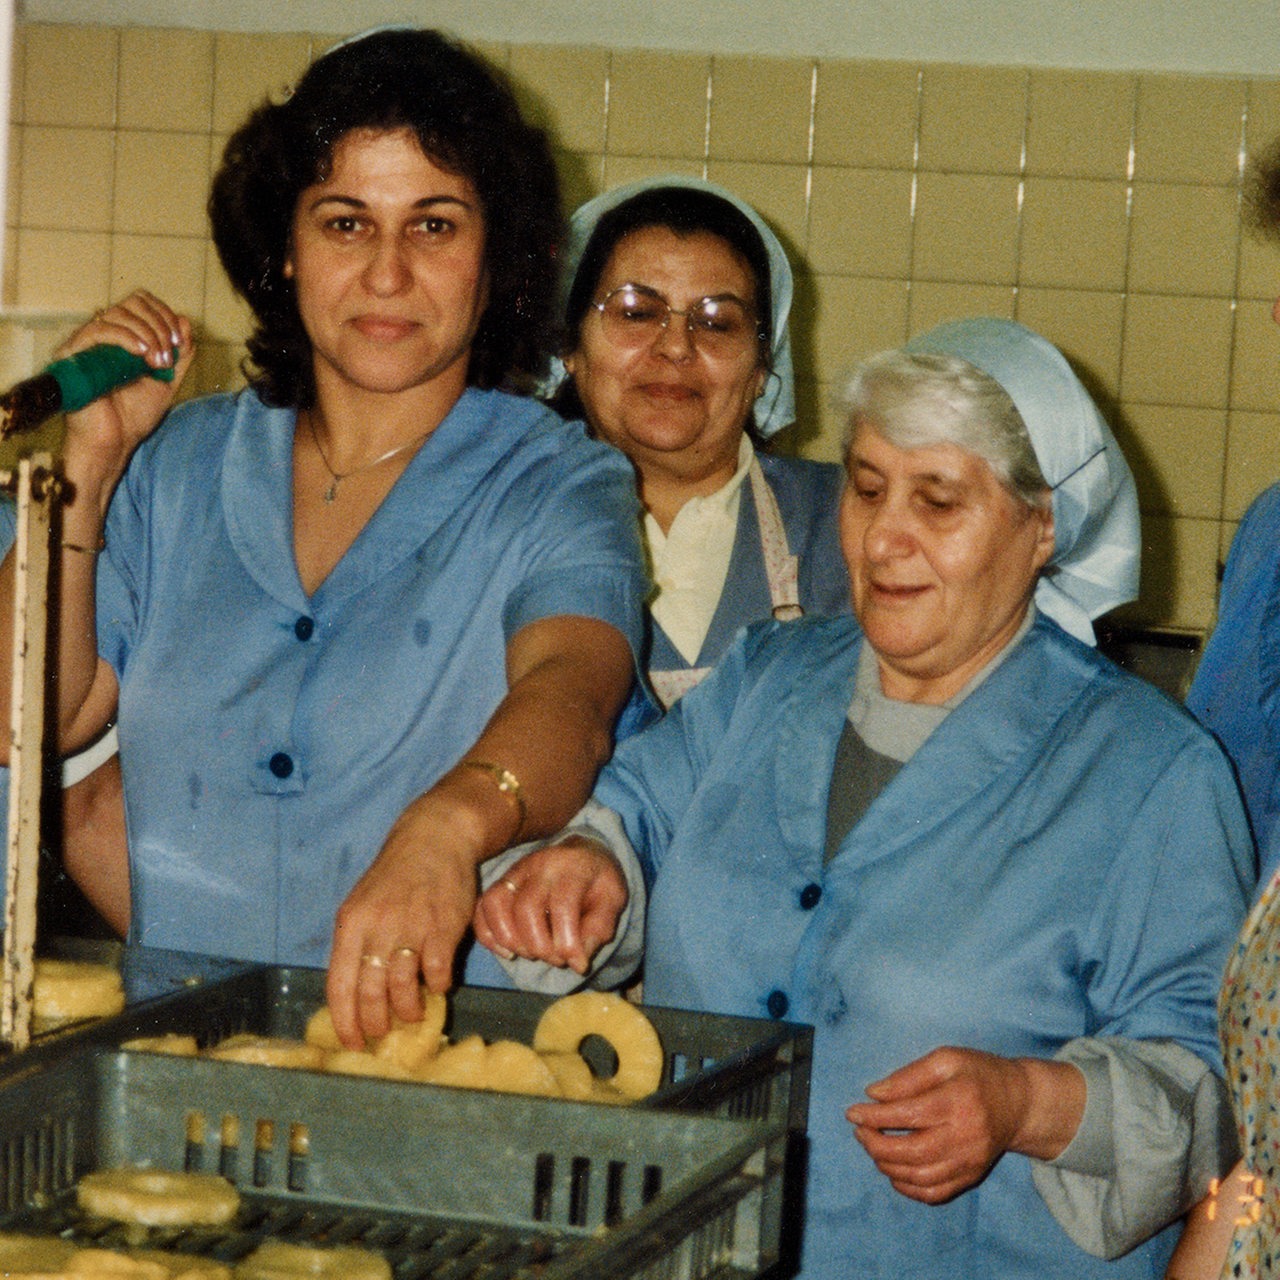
(1097, 534)
(776, 407)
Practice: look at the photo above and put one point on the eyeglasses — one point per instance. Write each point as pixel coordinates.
(634, 316)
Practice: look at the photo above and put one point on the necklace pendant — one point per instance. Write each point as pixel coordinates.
(331, 492)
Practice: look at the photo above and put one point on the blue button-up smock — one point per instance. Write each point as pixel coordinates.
(1236, 690)
(269, 739)
(1066, 856)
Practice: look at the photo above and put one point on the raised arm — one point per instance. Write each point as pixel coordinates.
(526, 776)
(97, 446)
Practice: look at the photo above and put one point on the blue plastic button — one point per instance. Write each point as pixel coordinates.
(810, 896)
(777, 1004)
(280, 764)
(304, 628)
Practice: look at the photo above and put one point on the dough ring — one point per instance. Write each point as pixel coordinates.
(268, 1051)
(357, 1062)
(171, 1042)
(512, 1067)
(565, 1024)
(412, 1045)
(67, 990)
(320, 1031)
(158, 1198)
(278, 1260)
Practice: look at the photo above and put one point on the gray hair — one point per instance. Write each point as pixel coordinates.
(918, 399)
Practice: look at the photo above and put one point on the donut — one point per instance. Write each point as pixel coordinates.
(357, 1062)
(173, 1042)
(277, 1260)
(68, 990)
(20, 1254)
(567, 1022)
(183, 1266)
(572, 1073)
(411, 1045)
(267, 1051)
(511, 1067)
(460, 1065)
(158, 1198)
(149, 1264)
(320, 1030)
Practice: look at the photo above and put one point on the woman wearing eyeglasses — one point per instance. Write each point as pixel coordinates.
(677, 352)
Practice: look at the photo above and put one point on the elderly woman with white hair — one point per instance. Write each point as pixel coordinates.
(999, 875)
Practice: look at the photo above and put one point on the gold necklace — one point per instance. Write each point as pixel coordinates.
(337, 477)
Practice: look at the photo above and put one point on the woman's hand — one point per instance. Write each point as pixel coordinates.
(402, 921)
(560, 905)
(101, 437)
(936, 1126)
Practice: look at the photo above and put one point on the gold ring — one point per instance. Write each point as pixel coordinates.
(374, 962)
(409, 952)
(511, 884)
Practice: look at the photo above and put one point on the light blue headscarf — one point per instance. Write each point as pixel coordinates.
(776, 407)
(1097, 533)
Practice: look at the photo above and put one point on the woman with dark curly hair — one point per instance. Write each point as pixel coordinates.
(370, 620)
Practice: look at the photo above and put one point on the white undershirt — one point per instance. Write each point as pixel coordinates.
(690, 562)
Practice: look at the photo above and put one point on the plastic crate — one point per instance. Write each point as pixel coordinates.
(448, 1183)
(744, 1068)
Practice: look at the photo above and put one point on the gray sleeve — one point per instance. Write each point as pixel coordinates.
(1157, 1126)
(619, 958)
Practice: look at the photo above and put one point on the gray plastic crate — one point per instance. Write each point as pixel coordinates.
(448, 1183)
(744, 1068)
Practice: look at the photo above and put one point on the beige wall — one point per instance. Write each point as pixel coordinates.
(1098, 207)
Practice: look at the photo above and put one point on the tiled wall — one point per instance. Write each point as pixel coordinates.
(1099, 208)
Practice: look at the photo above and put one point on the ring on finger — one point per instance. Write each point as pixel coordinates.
(511, 884)
(407, 953)
(374, 962)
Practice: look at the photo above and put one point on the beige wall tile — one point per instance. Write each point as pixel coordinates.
(1086, 328)
(1179, 573)
(66, 180)
(658, 104)
(852, 319)
(563, 91)
(1188, 129)
(973, 119)
(215, 368)
(1252, 458)
(860, 222)
(823, 438)
(621, 169)
(866, 114)
(581, 177)
(1259, 266)
(69, 76)
(247, 69)
(1184, 239)
(761, 109)
(161, 183)
(1263, 124)
(931, 304)
(13, 174)
(1075, 233)
(62, 270)
(17, 72)
(1178, 461)
(778, 192)
(226, 316)
(166, 79)
(172, 267)
(495, 52)
(1255, 363)
(1176, 351)
(966, 229)
(1080, 123)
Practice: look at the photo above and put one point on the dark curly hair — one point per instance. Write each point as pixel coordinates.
(466, 121)
(1262, 192)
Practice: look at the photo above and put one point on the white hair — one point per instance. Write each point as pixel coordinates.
(918, 399)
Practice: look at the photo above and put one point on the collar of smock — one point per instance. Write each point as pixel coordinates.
(1097, 534)
(776, 406)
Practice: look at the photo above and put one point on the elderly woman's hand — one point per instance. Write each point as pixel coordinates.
(560, 905)
(936, 1126)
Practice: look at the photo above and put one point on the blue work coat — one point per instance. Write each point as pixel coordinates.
(1066, 856)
